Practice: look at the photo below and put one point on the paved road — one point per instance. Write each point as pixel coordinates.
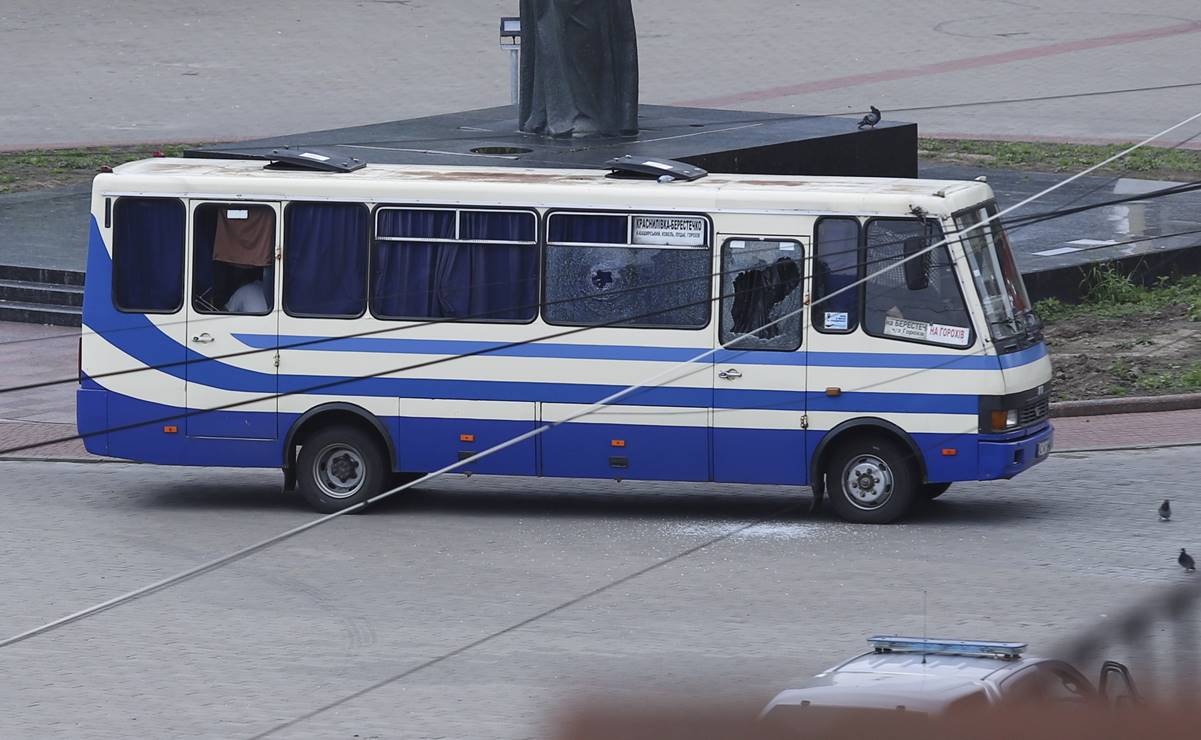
(202, 71)
(365, 598)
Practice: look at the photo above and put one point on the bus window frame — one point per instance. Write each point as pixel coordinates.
(860, 271)
(972, 334)
(805, 257)
(544, 235)
(537, 244)
(198, 203)
(283, 246)
(185, 257)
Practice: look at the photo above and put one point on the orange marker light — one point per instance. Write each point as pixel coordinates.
(170, 429)
(466, 437)
(949, 452)
(617, 443)
(833, 392)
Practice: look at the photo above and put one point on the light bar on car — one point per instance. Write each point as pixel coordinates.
(931, 646)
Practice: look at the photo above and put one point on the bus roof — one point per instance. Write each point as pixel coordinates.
(383, 181)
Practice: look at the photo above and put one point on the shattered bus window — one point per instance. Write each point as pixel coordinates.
(761, 294)
(627, 286)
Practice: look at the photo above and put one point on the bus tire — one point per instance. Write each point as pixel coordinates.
(871, 480)
(933, 490)
(340, 466)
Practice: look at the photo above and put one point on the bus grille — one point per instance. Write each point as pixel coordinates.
(1034, 411)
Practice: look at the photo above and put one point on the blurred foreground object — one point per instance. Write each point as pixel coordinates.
(894, 692)
(1033, 721)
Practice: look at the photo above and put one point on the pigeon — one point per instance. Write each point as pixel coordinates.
(871, 119)
(1186, 561)
(1165, 511)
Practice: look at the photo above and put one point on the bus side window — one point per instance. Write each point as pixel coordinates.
(836, 265)
(596, 276)
(933, 314)
(480, 265)
(148, 254)
(761, 294)
(233, 257)
(325, 259)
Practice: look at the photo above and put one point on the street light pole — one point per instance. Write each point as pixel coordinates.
(510, 40)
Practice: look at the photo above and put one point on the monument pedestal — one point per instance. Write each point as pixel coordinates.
(717, 140)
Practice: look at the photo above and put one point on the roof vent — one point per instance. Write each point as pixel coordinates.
(650, 168)
(321, 160)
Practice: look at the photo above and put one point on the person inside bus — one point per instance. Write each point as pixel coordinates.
(238, 289)
(249, 298)
(243, 250)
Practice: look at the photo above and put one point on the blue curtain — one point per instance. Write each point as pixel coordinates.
(325, 259)
(836, 265)
(588, 228)
(456, 280)
(148, 252)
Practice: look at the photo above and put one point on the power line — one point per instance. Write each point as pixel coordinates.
(1011, 225)
(525, 622)
(1177, 189)
(483, 351)
(654, 379)
(893, 260)
(803, 308)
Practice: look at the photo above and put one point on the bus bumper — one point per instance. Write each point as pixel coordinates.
(1005, 458)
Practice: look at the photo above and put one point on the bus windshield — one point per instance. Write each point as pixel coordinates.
(995, 273)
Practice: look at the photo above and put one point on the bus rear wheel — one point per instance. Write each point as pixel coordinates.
(340, 466)
(871, 480)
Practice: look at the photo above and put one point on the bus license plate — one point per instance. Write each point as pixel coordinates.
(1042, 449)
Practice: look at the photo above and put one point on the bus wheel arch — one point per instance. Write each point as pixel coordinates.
(329, 415)
(875, 450)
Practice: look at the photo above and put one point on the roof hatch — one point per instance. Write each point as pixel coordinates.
(312, 158)
(652, 168)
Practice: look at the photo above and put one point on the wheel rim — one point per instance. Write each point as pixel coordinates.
(340, 471)
(867, 482)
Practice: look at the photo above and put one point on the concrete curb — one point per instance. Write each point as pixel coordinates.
(1135, 405)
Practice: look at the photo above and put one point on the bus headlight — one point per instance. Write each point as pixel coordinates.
(1004, 420)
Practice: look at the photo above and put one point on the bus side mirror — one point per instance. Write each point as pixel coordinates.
(917, 269)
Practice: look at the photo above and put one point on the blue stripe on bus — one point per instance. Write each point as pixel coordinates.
(634, 353)
(141, 339)
(1025, 357)
(650, 448)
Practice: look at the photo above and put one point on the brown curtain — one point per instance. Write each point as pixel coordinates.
(248, 241)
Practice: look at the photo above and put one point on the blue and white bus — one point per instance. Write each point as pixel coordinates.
(357, 329)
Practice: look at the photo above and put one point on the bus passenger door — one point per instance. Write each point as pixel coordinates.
(233, 320)
(759, 375)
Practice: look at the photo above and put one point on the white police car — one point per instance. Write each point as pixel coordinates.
(918, 676)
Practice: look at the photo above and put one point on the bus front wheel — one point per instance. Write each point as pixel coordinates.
(340, 466)
(871, 480)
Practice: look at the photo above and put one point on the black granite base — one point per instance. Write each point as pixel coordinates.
(717, 140)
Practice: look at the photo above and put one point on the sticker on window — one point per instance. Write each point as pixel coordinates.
(237, 215)
(838, 320)
(669, 231)
(925, 332)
